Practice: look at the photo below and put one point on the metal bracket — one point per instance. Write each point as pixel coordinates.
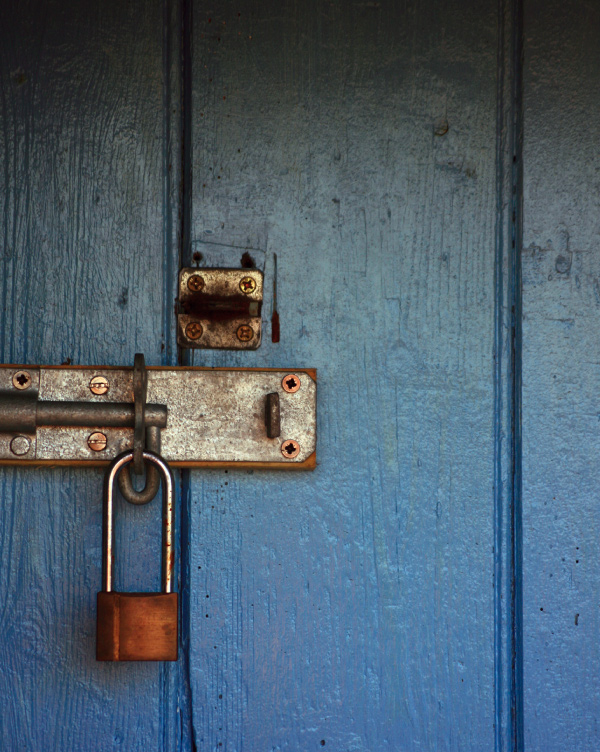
(52, 415)
(220, 308)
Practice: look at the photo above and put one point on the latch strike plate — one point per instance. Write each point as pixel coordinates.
(220, 308)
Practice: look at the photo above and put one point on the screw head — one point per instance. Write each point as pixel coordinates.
(99, 385)
(247, 285)
(97, 441)
(290, 449)
(290, 383)
(195, 283)
(20, 445)
(21, 380)
(245, 333)
(193, 330)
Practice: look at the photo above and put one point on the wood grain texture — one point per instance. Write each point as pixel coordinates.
(353, 608)
(561, 377)
(84, 195)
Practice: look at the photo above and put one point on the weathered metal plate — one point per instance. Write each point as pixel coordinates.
(220, 308)
(215, 416)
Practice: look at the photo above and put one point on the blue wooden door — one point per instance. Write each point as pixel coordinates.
(431, 585)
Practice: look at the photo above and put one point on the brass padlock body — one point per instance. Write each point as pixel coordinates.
(137, 627)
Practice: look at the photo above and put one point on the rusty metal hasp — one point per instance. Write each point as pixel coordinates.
(220, 308)
(192, 417)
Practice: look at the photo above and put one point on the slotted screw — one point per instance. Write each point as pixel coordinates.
(99, 385)
(97, 441)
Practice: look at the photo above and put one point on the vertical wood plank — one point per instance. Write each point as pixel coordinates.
(561, 378)
(86, 226)
(353, 608)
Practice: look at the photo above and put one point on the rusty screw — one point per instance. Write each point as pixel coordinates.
(195, 283)
(20, 445)
(290, 449)
(247, 285)
(99, 385)
(193, 330)
(21, 380)
(97, 441)
(290, 383)
(245, 333)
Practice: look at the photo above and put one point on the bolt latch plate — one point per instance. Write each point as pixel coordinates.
(220, 308)
(214, 417)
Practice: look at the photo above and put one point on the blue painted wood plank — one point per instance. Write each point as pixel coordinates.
(561, 379)
(86, 199)
(353, 608)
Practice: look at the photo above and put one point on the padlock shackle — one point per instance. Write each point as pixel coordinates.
(168, 557)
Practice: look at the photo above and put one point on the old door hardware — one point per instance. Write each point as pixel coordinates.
(137, 626)
(220, 308)
(195, 417)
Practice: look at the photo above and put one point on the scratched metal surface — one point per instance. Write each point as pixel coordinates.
(352, 608)
(213, 416)
(85, 242)
(561, 377)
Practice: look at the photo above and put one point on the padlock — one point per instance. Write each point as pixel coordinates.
(137, 626)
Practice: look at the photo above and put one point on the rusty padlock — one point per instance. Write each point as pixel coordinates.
(137, 626)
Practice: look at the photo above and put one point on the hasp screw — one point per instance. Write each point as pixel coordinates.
(20, 445)
(195, 283)
(247, 285)
(21, 380)
(193, 330)
(290, 383)
(99, 385)
(245, 333)
(290, 449)
(97, 441)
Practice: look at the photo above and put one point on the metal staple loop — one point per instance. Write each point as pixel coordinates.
(143, 438)
(140, 390)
